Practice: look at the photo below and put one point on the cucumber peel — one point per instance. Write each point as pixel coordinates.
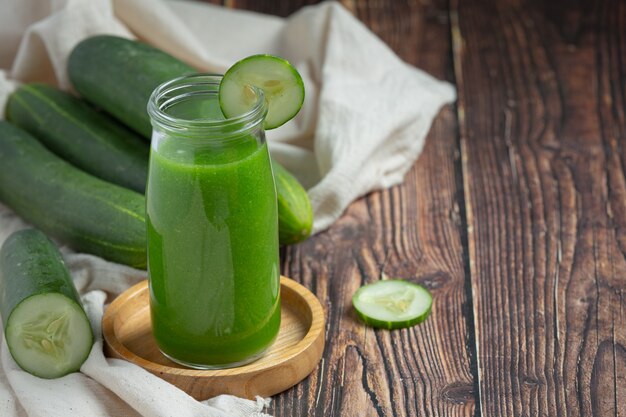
(295, 215)
(280, 82)
(392, 304)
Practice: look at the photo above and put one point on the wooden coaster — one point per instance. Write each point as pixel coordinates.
(127, 330)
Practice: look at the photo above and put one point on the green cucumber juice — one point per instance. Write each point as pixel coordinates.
(212, 239)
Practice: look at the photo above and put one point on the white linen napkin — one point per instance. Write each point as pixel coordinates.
(362, 126)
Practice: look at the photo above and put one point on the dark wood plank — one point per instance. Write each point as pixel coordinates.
(541, 110)
(412, 231)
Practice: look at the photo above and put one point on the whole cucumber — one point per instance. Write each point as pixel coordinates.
(295, 216)
(119, 74)
(89, 139)
(87, 213)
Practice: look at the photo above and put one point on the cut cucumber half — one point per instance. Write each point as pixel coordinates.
(49, 335)
(46, 328)
(392, 304)
(280, 81)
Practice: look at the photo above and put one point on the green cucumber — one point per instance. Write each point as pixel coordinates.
(46, 328)
(281, 84)
(295, 216)
(392, 304)
(87, 213)
(119, 76)
(88, 139)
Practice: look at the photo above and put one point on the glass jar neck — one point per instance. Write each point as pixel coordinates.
(188, 107)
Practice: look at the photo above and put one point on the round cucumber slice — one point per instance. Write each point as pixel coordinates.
(392, 304)
(280, 81)
(49, 335)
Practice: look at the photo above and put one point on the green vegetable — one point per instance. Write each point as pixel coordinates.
(89, 214)
(295, 216)
(79, 134)
(392, 304)
(281, 84)
(46, 328)
(119, 75)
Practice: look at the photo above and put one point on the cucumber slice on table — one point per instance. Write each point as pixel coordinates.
(392, 304)
(46, 328)
(280, 81)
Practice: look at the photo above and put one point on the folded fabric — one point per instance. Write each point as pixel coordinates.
(366, 112)
(362, 126)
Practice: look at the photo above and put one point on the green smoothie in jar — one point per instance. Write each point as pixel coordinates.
(212, 228)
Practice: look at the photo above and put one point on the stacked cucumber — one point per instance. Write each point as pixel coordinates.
(118, 75)
(87, 213)
(73, 130)
(79, 175)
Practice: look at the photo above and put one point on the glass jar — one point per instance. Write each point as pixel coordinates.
(212, 228)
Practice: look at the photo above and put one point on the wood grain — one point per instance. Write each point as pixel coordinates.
(413, 231)
(541, 219)
(127, 330)
(541, 111)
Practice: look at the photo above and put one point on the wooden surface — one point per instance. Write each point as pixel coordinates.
(514, 216)
(127, 330)
(545, 196)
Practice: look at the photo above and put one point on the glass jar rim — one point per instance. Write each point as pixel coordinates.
(162, 95)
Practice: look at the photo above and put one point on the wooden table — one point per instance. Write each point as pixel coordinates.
(514, 216)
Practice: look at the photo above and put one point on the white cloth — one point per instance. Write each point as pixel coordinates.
(362, 126)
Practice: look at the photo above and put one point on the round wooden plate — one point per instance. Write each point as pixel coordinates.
(298, 348)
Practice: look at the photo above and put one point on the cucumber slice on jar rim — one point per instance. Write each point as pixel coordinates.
(392, 304)
(281, 84)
